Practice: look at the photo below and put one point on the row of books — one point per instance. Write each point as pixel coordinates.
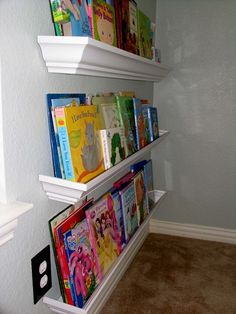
(119, 23)
(88, 239)
(89, 139)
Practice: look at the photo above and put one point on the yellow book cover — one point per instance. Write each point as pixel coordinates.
(82, 123)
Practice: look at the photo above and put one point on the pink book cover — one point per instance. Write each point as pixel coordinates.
(102, 234)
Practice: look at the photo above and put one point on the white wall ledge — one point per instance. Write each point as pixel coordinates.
(9, 214)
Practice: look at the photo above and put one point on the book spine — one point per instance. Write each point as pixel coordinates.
(64, 143)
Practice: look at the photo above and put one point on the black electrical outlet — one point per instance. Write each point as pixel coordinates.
(41, 273)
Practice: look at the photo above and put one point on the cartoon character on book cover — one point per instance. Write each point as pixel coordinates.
(140, 196)
(80, 257)
(141, 136)
(103, 235)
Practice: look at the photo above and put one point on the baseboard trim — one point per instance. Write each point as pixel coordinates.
(193, 231)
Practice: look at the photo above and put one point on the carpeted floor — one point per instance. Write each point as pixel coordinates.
(174, 275)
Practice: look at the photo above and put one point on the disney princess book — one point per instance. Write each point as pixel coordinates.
(79, 141)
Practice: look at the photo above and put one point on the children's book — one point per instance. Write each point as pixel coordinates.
(113, 146)
(80, 258)
(133, 27)
(100, 219)
(119, 184)
(76, 216)
(146, 119)
(63, 99)
(126, 116)
(140, 196)
(109, 115)
(144, 35)
(103, 22)
(118, 15)
(129, 210)
(127, 93)
(148, 181)
(60, 13)
(153, 123)
(79, 141)
(139, 123)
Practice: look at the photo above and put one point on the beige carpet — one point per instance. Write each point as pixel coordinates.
(177, 275)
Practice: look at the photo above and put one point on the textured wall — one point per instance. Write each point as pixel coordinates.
(197, 103)
(26, 147)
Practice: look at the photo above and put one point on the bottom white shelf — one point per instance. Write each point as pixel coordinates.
(109, 282)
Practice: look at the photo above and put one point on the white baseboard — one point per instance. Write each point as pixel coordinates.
(193, 231)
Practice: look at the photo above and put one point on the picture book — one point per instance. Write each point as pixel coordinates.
(141, 139)
(80, 258)
(118, 17)
(146, 119)
(126, 116)
(54, 141)
(103, 21)
(127, 93)
(102, 234)
(144, 35)
(140, 196)
(119, 217)
(148, 181)
(80, 143)
(133, 27)
(153, 123)
(65, 225)
(129, 210)
(128, 40)
(113, 146)
(109, 115)
(60, 13)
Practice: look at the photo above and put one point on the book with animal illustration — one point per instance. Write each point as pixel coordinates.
(103, 22)
(141, 138)
(113, 146)
(81, 263)
(57, 100)
(126, 116)
(79, 141)
(129, 210)
(144, 35)
(100, 219)
(140, 196)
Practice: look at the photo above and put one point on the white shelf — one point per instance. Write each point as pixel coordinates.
(108, 284)
(86, 56)
(9, 214)
(71, 192)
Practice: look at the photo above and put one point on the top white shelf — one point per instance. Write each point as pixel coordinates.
(86, 56)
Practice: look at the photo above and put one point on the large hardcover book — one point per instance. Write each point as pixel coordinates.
(103, 22)
(126, 116)
(80, 258)
(144, 35)
(140, 196)
(100, 219)
(129, 210)
(54, 141)
(139, 123)
(113, 146)
(80, 141)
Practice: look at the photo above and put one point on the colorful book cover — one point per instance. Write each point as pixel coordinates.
(148, 181)
(76, 216)
(144, 35)
(109, 115)
(113, 146)
(102, 234)
(153, 123)
(140, 196)
(126, 116)
(118, 15)
(133, 27)
(139, 123)
(54, 141)
(103, 20)
(129, 210)
(79, 127)
(147, 129)
(60, 13)
(80, 258)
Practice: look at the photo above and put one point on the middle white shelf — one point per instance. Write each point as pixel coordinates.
(71, 192)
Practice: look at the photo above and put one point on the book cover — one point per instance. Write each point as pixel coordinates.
(129, 210)
(54, 141)
(144, 35)
(76, 216)
(79, 127)
(113, 146)
(126, 116)
(80, 258)
(153, 123)
(139, 123)
(133, 27)
(103, 20)
(148, 181)
(109, 115)
(60, 13)
(102, 234)
(118, 16)
(140, 196)
(119, 184)
(147, 126)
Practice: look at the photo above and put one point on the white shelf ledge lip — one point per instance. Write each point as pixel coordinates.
(9, 214)
(71, 192)
(87, 56)
(104, 290)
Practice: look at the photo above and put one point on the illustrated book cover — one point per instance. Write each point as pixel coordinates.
(113, 146)
(103, 234)
(140, 196)
(109, 115)
(54, 141)
(153, 123)
(147, 126)
(126, 116)
(129, 210)
(141, 137)
(79, 141)
(144, 35)
(148, 181)
(80, 258)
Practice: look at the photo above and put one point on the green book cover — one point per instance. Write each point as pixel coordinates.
(144, 35)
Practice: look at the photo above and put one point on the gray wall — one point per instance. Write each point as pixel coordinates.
(197, 103)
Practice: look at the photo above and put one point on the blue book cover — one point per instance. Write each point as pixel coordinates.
(119, 216)
(55, 148)
(146, 117)
(153, 123)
